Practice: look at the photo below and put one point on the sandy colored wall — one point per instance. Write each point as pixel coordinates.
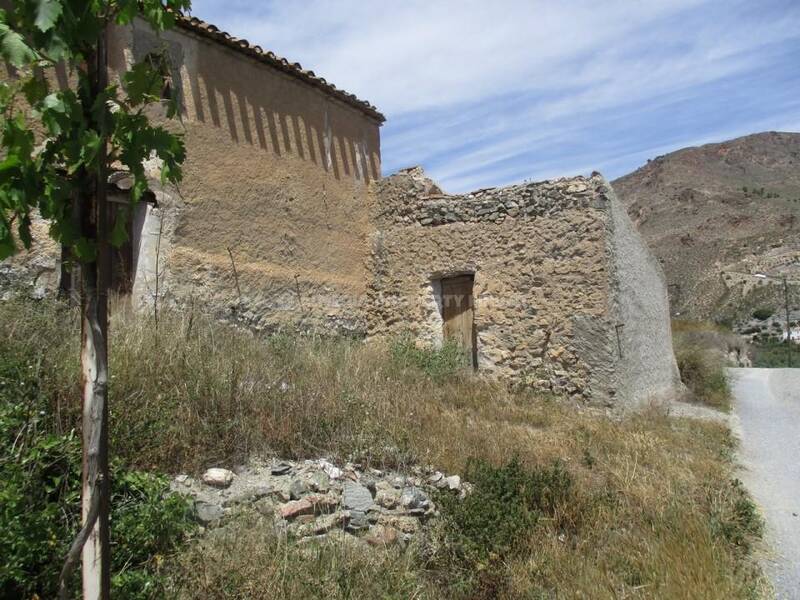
(278, 173)
(538, 253)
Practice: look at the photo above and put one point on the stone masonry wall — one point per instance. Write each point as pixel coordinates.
(539, 258)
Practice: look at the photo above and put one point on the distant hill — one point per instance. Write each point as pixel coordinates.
(712, 211)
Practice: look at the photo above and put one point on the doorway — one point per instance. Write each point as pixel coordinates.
(458, 307)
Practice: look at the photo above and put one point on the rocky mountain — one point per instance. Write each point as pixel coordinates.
(715, 215)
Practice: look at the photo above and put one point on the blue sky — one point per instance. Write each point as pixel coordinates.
(487, 93)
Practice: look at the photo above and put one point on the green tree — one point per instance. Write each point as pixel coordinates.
(57, 149)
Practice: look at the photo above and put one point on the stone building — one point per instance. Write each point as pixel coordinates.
(283, 221)
(547, 283)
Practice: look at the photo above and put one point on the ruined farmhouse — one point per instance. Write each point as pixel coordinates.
(285, 221)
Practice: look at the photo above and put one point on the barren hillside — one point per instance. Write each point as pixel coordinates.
(715, 210)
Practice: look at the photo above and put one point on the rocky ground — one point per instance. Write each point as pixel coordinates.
(314, 499)
(716, 215)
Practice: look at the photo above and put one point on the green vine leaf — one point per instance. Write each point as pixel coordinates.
(47, 14)
(14, 48)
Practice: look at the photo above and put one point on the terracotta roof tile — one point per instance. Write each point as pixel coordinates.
(210, 31)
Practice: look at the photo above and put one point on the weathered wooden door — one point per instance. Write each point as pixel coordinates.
(457, 314)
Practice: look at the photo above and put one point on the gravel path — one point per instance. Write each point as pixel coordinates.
(767, 403)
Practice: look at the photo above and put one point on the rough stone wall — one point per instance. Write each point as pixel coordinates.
(277, 176)
(647, 370)
(33, 273)
(538, 254)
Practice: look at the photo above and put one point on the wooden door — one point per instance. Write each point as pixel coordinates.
(457, 314)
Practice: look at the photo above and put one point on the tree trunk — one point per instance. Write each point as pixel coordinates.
(96, 492)
(92, 543)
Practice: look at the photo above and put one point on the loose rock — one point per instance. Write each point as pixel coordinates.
(208, 513)
(298, 489)
(282, 468)
(358, 521)
(382, 536)
(330, 470)
(453, 482)
(414, 498)
(216, 477)
(356, 497)
(293, 509)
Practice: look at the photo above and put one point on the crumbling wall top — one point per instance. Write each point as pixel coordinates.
(410, 197)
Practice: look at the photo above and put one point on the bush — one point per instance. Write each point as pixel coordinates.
(762, 313)
(703, 372)
(40, 473)
(39, 487)
(771, 352)
(497, 517)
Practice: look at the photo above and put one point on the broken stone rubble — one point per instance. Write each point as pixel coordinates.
(315, 498)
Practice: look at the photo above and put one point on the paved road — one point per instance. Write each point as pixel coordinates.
(767, 403)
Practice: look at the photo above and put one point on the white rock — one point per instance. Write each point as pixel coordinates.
(216, 477)
(453, 482)
(332, 471)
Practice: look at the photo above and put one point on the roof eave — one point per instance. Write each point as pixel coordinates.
(295, 70)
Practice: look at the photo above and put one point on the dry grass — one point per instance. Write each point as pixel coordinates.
(251, 562)
(653, 514)
(702, 350)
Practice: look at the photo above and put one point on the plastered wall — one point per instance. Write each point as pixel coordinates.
(275, 189)
(647, 370)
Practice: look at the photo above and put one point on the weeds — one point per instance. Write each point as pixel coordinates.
(649, 510)
(439, 364)
(40, 480)
(701, 350)
(249, 560)
(705, 377)
(481, 531)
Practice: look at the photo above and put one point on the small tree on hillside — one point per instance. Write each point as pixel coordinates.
(57, 148)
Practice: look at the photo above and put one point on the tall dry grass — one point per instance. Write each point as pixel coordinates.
(702, 350)
(654, 511)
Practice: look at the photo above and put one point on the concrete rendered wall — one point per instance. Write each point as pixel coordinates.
(538, 253)
(647, 370)
(277, 172)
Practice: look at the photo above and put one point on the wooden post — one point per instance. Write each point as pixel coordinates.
(788, 323)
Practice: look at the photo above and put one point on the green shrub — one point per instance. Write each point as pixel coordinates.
(39, 486)
(496, 518)
(762, 313)
(703, 372)
(147, 524)
(771, 352)
(40, 480)
(438, 363)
